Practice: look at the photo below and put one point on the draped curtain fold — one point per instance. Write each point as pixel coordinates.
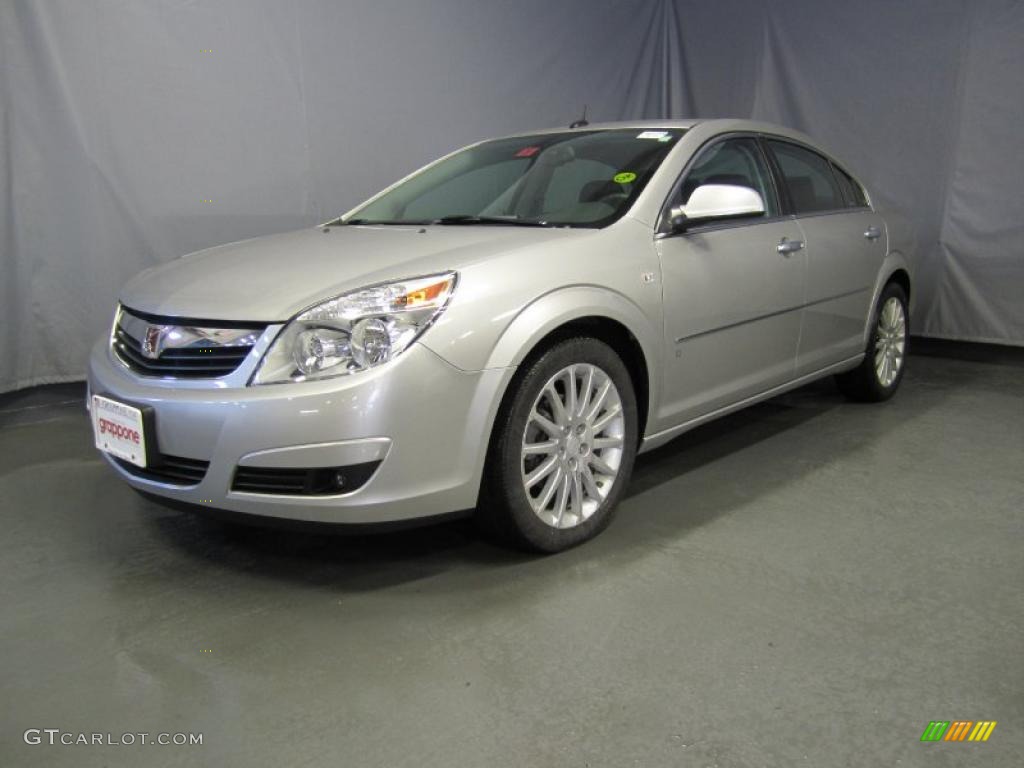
(132, 133)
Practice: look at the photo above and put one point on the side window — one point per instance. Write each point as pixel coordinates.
(852, 191)
(463, 193)
(808, 177)
(733, 161)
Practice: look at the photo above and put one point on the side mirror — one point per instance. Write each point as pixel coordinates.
(710, 202)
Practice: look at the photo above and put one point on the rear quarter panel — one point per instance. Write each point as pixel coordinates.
(901, 244)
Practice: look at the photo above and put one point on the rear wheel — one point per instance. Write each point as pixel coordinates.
(881, 371)
(563, 448)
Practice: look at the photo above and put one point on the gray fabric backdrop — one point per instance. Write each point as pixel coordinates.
(134, 132)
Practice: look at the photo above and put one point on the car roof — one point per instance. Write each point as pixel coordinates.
(711, 125)
(630, 124)
(715, 125)
(638, 125)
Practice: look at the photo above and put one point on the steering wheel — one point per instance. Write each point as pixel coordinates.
(613, 199)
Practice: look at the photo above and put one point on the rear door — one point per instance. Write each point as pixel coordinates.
(845, 245)
(732, 297)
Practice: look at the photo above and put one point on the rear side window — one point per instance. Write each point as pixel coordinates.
(852, 191)
(808, 177)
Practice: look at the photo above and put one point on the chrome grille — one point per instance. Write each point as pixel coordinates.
(153, 345)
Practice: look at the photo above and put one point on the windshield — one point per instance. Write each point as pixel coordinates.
(568, 179)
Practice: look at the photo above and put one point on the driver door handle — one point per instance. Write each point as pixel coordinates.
(872, 233)
(789, 246)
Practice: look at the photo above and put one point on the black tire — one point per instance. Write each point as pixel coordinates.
(504, 510)
(862, 383)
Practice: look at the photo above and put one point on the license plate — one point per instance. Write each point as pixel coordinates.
(118, 430)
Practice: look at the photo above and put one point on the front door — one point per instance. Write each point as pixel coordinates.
(732, 295)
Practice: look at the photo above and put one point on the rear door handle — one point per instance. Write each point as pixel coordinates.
(789, 246)
(872, 233)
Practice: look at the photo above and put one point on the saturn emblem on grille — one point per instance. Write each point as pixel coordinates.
(153, 341)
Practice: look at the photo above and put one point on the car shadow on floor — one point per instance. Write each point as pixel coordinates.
(366, 562)
(717, 439)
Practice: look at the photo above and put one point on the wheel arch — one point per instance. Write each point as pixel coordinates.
(585, 311)
(901, 277)
(894, 269)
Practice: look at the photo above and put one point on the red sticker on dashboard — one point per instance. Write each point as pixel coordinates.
(527, 151)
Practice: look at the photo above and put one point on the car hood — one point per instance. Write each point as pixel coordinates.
(270, 279)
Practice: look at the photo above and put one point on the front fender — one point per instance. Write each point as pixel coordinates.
(546, 313)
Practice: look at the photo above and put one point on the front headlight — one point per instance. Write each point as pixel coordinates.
(355, 331)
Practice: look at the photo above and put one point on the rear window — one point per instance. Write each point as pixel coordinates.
(853, 193)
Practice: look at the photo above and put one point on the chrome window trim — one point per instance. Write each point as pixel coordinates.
(830, 212)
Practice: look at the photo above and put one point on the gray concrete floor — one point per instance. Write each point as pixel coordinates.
(809, 582)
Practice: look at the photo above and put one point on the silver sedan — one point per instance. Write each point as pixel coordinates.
(504, 330)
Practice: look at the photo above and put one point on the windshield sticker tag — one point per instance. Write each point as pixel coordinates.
(654, 135)
(527, 151)
(624, 178)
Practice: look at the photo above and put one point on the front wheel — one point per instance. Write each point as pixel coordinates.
(881, 371)
(563, 448)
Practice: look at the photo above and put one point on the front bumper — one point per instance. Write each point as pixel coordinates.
(426, 421)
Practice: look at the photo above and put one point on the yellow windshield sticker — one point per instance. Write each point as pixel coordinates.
(624, 178)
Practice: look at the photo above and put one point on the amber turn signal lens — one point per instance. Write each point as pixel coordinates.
(425, 295)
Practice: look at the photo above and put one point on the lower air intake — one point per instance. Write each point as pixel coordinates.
(317, 481)
(174, 470)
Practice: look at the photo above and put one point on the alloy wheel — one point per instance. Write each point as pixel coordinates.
(572, 445)
(890, 341)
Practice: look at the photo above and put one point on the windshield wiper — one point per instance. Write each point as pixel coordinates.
(462, 218)
(509, 221)
(381, 222)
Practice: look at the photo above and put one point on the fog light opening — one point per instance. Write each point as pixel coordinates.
(339, 481)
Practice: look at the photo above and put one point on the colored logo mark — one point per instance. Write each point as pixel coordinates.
(624, 178)
(958, 730)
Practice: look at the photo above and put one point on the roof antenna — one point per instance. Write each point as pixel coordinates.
(582, 121)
